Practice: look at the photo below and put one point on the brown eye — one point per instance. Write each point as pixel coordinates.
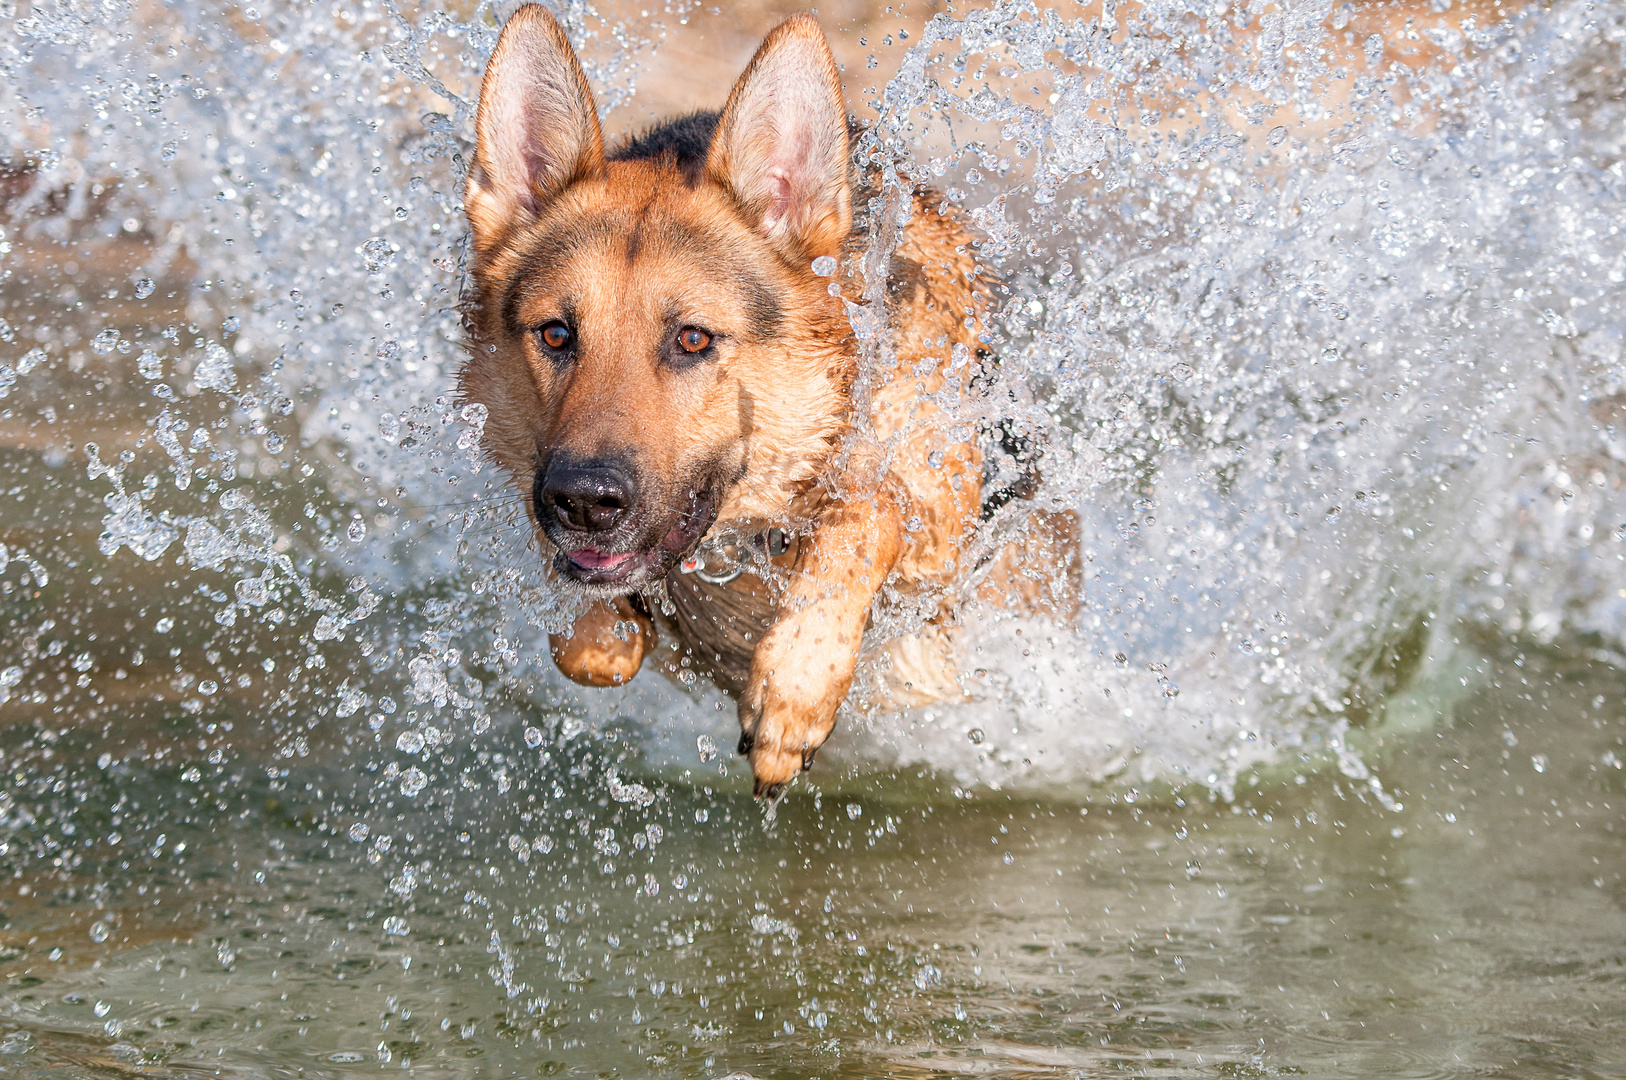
(555, 335)
(692, 339)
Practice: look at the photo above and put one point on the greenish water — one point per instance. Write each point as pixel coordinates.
(1302, 930)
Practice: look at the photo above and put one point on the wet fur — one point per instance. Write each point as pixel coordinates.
(714, 219)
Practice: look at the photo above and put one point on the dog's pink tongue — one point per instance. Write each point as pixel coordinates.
(590, 558)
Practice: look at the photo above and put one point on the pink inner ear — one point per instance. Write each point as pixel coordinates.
(519, 172)
(791, 181)
(781, 193)
(535, 160)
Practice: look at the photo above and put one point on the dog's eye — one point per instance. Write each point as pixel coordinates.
(555, 335)
(692, 339)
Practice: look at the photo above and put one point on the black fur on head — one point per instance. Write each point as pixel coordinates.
(685, 139)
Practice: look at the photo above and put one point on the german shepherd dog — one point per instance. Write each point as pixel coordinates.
(663, 345)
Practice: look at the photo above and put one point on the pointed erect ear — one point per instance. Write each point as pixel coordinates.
(537, 127)
(781, 145)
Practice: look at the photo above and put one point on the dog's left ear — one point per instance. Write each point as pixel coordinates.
(781, 145)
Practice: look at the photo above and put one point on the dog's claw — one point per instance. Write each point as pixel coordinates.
(747, 741)
(769, 792)
(808, 753)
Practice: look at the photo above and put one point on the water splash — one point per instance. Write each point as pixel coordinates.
(1323, 348)
(1307, 389)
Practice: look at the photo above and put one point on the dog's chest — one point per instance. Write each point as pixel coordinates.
(720, 625)
(723, 600)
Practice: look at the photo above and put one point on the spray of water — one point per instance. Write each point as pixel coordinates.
(1321, 346)
(1319, 325)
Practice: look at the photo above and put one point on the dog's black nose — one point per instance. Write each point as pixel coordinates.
(587, 498)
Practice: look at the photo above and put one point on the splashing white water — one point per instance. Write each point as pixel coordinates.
(1328, 364)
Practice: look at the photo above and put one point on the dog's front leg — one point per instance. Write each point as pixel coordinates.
(804, 664)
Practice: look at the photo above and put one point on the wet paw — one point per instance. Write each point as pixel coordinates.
(607, 644)
(799, 676)
(781, 742)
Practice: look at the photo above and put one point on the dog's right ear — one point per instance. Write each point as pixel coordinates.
(537, 127)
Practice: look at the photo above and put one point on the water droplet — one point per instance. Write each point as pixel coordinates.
(854, 811)
(976, 736)
(409, 742)
(104, 342)
(824, 266)
(164, 625)
(376, 254)
(1277, 135)
(150, 365)
(359, 831)
(144, 288)
(707, 747)
(253, 591)
(356, 532)
(1538, 762)
(413, 781)
(214, 371)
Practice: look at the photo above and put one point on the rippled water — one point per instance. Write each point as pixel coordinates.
(1302, 929)
(1325, 351)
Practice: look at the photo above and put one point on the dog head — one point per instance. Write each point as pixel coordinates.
(647, 334)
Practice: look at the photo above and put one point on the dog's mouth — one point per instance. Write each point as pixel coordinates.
(637, 564)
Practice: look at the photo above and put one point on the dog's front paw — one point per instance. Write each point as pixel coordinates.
(789, 706)
(781, 741)
(607, 644)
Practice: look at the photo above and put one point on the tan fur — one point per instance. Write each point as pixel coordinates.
(624, 250)
(606, 645)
